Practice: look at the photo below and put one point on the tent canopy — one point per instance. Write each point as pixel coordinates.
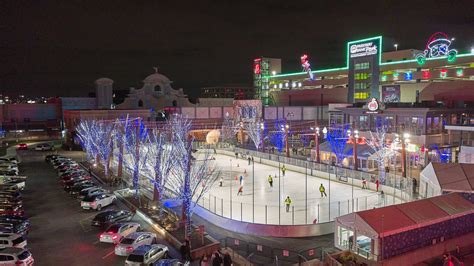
(455, 176)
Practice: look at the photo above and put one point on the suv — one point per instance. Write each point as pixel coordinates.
(15, 256)
(128, 244)
(98, 201)
(12, 240)
(147, 254)
(89, 192)
(111, 216)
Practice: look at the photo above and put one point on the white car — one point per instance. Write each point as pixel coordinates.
(97, 202)
(91, 191)
(15, 256)
(12, 240)
(147, 254)
(128, 244)
(115, 232)
(9, 160)
(44, 147)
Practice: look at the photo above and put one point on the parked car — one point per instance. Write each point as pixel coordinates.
(10, 209)
(17, 227)
(147, 254)
(12, 240)
(128, 244)
(74, 180)
(15, 256)
(71, 171)
(92, 192)
(85, 182)
(22, 146)
(108, 217)
(18, 184)
(10, 200)
(65, 179)
(14, 194)
(79, 187)
(8, 173)
(115, 232)
(171, 262)
(9, 159)
(44, 147)
(97, 202)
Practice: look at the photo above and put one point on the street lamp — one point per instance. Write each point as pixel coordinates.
(355, 138)
(287, 147)
(405, 138)
(396, 46)
(316, 142)
(262, 131)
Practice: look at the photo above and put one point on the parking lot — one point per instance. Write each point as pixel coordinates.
(61, 233)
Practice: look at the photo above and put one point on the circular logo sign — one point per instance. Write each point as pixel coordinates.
(373, 105)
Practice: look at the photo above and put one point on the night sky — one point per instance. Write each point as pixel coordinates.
(58, 48)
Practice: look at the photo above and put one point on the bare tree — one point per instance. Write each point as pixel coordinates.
(255, 131)
(382, 150)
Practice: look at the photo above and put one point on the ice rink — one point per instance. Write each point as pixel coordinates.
(293, 184)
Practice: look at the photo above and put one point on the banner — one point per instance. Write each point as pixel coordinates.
(391, 93)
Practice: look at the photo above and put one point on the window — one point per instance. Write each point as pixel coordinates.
(361, 95)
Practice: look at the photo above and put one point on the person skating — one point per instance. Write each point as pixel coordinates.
(287, 203)
(377, 184)
(322, 190)
(241, 179)
(236, 155)
(241, 190)
(270, 180)
(249, 159)
(283, 170)
(364, 183)
(221, 181)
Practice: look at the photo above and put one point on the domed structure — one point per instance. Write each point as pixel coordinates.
(156, 93)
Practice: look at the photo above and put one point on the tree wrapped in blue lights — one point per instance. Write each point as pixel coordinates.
(277, 136)
(85, 134)
(191, 177)
(228, 129)
(161, 160)
(337, 137)
(134, 136)
(103, 140)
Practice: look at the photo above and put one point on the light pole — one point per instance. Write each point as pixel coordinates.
(279, 191)
(396, 46)
(405, 139)
(287, 147)
(262, 131)
(325, 132)
(253, 191)
(355, 138)
(306, 192)
(230, 187)
(316, 142)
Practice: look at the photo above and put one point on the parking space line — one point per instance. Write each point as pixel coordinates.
(108, 254)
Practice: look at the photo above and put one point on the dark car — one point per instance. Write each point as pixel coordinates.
(78, 188)
(14, 226)
(108, 217)
(74, 180)
(8, 172)
(74, 176)
(69, 188)
(22, 146)
(10, 200)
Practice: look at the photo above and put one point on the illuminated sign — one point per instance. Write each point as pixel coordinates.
(256, 66)
(306, 66)
(438, 45)
(363, 49)
(373, 105)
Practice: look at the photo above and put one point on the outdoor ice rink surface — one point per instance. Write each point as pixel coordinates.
(267, 199)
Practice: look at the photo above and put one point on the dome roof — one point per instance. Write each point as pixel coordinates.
(157, 78)
(103, 80)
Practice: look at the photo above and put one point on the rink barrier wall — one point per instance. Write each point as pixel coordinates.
(267, 230)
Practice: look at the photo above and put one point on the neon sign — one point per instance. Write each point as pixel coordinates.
(256, 66)
(437, 46)
(306, 66)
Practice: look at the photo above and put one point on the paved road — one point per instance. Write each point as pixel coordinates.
(61, 233)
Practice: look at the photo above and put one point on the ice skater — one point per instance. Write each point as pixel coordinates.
(287, 203)
(221, 181)
(241, 180)
(322, 190)
(283, 170)
(249, 159)
(270, 180)
(377, 184)
(241, 190)
(364, 183)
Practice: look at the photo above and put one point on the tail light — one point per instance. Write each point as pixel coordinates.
(114, 237)
(101, 235)
(129, 248)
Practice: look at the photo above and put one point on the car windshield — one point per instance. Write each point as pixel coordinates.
(135, 258)
(18, 240)
(24, 255)
(89, 199)
(127, 241)
(113, 228)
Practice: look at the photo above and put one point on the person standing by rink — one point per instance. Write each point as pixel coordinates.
(283, 170)
(322, 190)
(287, 203)
(377, 184)
(270, 180)
(364, 183)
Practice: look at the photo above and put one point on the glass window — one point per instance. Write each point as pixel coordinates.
(363, 122)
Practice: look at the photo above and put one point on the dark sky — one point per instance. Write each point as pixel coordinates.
(51, 48)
